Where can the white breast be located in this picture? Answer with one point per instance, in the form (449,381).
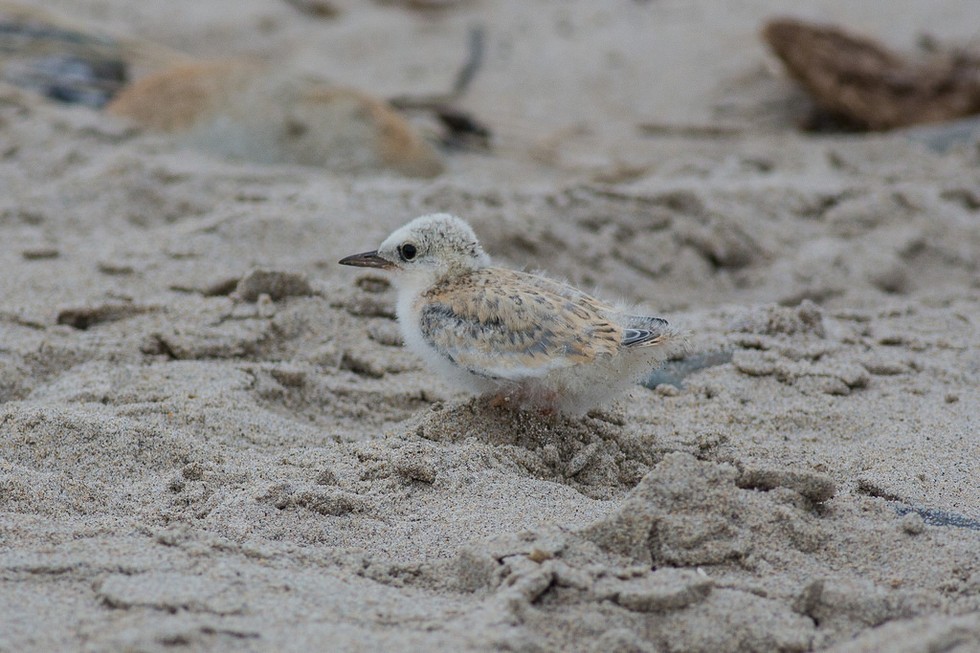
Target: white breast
(409,318)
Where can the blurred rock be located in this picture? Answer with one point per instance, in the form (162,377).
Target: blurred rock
(247,111)
(68,61)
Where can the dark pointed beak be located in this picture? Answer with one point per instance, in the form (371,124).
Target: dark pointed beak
(367,260)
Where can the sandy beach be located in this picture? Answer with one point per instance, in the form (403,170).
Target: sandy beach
(212,439)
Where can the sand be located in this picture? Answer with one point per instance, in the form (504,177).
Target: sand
(211,438)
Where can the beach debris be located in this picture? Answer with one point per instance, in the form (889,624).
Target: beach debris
(56,60)
(461,129)
(859,83)
(69,61)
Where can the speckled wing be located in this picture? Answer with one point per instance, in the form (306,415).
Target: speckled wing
(504,324)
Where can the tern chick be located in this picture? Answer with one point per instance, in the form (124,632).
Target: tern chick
(525,339)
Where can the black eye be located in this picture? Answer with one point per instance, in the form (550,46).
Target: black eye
(407,251)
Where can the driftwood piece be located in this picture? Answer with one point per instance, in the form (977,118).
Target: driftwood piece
(865,85)
(462,129)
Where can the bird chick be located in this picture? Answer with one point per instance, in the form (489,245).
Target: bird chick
(523,338)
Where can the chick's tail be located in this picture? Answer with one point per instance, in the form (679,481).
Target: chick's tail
(642,331)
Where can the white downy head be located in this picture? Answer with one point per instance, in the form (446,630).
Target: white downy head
(425,250)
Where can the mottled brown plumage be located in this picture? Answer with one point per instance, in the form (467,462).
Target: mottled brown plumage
(497,323)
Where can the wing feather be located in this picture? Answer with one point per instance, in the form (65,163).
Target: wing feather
(645,331)
(511,325)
